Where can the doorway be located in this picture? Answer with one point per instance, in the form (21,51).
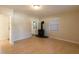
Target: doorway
(35,24)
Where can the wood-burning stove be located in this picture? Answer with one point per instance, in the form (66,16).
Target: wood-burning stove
(41,32)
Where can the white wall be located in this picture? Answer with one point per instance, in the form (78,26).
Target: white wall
(21,26)
(4,23)
(14,25)
(68,26)
(4,27)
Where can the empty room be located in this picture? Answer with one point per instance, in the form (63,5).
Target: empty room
(39,29)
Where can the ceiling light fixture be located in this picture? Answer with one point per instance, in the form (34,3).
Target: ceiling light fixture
(36,7)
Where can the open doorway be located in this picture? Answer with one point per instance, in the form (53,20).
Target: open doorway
(35,27)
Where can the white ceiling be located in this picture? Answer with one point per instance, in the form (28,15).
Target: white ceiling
(45,10)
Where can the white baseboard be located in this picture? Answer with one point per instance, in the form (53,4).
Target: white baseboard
(23,37)
(76,42)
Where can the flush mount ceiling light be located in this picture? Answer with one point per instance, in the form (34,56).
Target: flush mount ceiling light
(36,7)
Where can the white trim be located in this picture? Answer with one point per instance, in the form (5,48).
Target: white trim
(76,42)
(23,37)
(10,27)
